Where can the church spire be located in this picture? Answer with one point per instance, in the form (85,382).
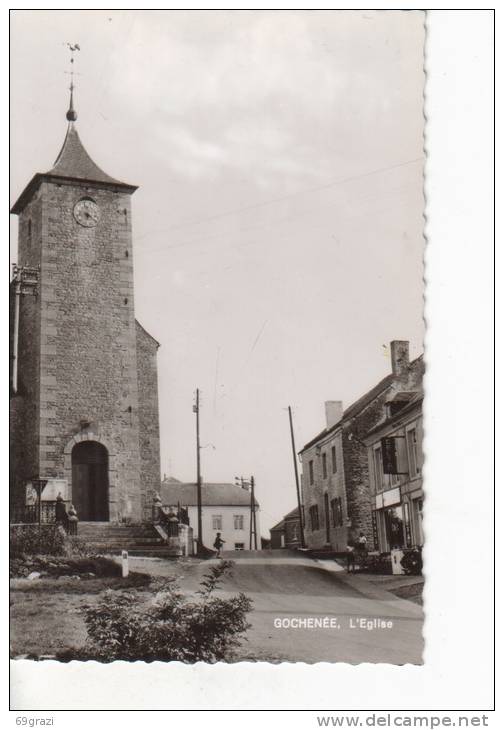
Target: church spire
(71,114)
(73,163)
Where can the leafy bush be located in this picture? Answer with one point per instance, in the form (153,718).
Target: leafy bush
(35,540)
(412,562)
(172,628)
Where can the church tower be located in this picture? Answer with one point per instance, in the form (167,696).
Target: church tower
(84,376)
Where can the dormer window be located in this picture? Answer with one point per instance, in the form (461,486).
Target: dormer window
(397,403)
(394,407)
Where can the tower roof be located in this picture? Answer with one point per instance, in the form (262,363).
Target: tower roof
(73,164)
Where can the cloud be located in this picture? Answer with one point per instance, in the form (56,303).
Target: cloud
(274,95)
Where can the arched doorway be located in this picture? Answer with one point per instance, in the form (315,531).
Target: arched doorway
(90,481)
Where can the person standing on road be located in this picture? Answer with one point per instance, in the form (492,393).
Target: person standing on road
(218,543)
(350,555)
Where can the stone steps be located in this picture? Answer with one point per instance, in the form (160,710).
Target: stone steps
(111,537)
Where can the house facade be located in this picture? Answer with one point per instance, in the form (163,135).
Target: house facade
(395,466)
(226,508)
(338,502)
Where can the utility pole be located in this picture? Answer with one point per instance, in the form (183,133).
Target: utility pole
(294,456)
(246,484)
(196,409)
(253,524)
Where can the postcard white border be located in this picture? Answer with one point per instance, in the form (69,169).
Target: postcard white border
(459,416)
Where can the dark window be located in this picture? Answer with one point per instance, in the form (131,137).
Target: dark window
(339,514)
(29,228)
(324,465)
(327,519)
(310,467)
(314,518)
(395,406)
(336,512)
(413,460)
(333,459)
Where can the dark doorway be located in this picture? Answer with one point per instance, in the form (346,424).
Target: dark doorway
(327,519)
(90,481)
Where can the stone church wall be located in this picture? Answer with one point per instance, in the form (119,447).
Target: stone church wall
(25,404)
(150,468)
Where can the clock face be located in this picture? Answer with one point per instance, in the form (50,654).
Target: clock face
(86,212)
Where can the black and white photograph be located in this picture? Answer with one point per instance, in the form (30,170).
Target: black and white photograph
(217,328)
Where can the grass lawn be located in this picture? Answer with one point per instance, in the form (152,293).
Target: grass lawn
(46,615)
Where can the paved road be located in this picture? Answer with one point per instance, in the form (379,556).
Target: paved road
(285,587)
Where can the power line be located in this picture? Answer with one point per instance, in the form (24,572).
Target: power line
(243,229)
(282,198)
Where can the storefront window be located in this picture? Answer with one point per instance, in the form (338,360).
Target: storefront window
(418,517)
(394,527)
(407,524)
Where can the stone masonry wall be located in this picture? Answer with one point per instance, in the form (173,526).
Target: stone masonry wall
(150,467)
(357,477)
(25,404)
(88,385)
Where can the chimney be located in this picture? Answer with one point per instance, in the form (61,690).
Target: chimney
(333,412)
(399,355)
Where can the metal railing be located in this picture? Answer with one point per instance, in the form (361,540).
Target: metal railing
(45,513)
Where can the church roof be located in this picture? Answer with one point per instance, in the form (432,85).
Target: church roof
(74,164)
(148,334)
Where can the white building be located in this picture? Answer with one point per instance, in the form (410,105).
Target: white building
(226,508)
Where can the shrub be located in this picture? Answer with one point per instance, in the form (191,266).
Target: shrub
(172,628)
(76,547)
(35,540)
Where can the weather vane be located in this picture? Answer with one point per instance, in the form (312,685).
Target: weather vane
(71,113)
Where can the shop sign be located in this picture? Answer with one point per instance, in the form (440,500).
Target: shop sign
(392,496)
(379,501)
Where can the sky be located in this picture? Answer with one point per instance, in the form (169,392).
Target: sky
(278,226)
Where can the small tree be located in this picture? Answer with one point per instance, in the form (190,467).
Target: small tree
(171,628)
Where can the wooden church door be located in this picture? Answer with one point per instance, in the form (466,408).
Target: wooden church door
(90,481)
